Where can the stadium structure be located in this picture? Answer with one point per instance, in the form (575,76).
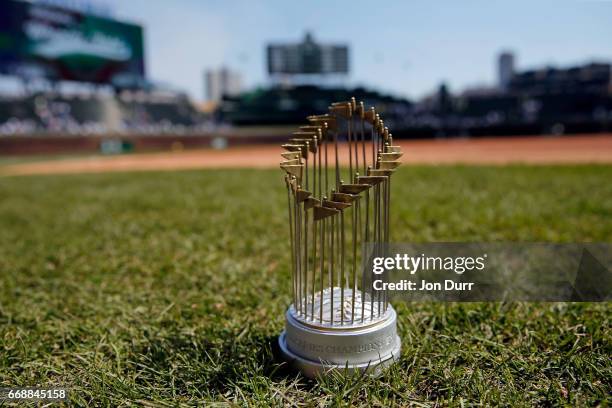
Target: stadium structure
(49,48)
(542,101)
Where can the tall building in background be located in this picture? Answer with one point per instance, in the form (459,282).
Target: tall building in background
(505,68)
(307,59)
(222,82)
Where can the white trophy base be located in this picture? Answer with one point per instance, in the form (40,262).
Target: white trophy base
(317,350)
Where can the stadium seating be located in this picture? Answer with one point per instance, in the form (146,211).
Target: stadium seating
(94,114)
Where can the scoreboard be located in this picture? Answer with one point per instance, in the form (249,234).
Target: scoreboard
(307,57)
(48,41)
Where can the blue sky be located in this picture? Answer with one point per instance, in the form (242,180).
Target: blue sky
(403,47)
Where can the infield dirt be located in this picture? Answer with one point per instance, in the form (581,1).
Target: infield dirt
(528,150)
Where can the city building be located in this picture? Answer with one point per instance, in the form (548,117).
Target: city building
(590,78)
(505,67)
(222,82)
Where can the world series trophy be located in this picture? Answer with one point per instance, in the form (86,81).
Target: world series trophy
(337,321)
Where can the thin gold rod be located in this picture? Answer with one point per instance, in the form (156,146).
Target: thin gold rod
(356,272)
(388,232)
(298,263)
(363,144)
(384,241)
(322,266)
(320,177)
(379,237)
(367,238)
(326,167)
(339,250)
(306,164)
(350,146)
(314,266)
(354,227)
(337,160)
(376,189)
(304,292)
(352,119)
(293,279)
(331,268)
(314,169)
(373,146)
(342,279)
(360,240)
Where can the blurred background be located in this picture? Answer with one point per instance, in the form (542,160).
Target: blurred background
(116,77)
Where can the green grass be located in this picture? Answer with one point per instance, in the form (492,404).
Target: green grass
(170,288)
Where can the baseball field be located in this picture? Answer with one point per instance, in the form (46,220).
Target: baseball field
(134,288)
